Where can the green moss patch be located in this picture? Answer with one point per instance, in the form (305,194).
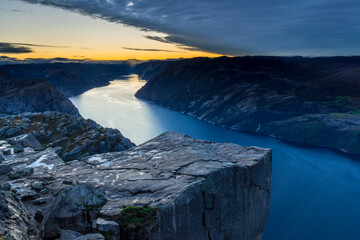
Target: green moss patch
(137,217)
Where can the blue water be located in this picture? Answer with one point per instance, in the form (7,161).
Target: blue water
(316,192)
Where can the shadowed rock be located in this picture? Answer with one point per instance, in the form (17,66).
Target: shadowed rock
(74,209)
(15,220)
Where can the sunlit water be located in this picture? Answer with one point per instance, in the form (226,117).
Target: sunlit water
(316,192)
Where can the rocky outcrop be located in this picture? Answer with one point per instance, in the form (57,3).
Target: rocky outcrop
(340,131)
(15,220)
(32,95)
(71,136)
(249,93)
(171,187)
(73,209)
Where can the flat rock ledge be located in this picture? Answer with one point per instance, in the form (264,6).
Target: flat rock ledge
(171,187)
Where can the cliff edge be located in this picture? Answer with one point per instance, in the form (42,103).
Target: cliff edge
(171,187)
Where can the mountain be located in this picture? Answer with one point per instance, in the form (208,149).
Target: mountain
(75,78)
(263,94)
(32,95)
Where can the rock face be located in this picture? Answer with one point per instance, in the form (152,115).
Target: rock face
(340,131)
(32,95)
(15,220)
(72,136)
(171,187)
(247,93)
(73,209)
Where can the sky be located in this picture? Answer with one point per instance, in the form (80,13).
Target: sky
(160,29)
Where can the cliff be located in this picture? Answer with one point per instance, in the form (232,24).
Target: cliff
(32,95)
(171,187)
(263,94)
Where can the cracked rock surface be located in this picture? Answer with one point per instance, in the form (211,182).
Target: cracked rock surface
(73,137)
(199,189)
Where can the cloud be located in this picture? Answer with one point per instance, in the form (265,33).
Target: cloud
(18,48)
(38,45)
(236,27)
(13,48)
(148,49)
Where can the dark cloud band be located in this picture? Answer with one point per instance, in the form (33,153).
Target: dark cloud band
(13,48)
(236,27)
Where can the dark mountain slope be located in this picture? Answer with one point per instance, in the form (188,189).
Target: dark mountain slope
(32,95)
(247,93)
(75,78)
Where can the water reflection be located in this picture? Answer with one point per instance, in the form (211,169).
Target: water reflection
(316,192)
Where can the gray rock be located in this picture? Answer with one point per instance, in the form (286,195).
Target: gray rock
(15,220)
(106,226)
(26,193)
(5,169)
(44,191)
(26,140)
(41,200)
(38,216)
(73,210)
(37,186)
(18,148)
(68,234)
(195,189)
(72,136)
(7,152)
(21,173)
(6,187)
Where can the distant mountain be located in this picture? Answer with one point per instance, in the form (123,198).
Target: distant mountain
(147,70)
(32,95)
(75,78)
(263,94)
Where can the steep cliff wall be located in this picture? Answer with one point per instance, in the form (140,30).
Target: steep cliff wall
(171,187)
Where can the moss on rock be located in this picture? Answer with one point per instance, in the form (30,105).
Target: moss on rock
(137,217)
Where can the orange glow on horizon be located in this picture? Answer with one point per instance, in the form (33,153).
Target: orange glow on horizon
(52,33)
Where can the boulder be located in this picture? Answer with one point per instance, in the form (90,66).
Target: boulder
(106,226)
(5,169)
(73,209)
(68,234)
(18,148)
(6,187)
(7,152)
(21,173)
(26,140)
(37,186)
